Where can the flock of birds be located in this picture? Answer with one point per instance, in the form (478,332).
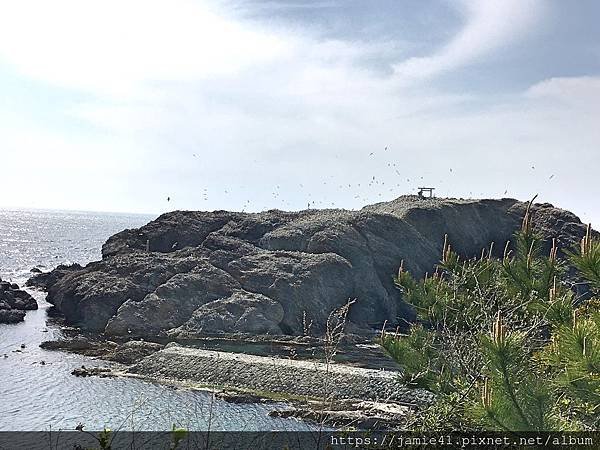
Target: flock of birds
(372,182)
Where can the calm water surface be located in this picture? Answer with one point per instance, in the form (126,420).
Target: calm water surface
(42,397)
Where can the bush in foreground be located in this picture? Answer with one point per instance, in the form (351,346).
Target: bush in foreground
(505,343)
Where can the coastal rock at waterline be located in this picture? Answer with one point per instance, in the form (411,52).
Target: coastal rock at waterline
(82,345)
(14,302)
(190,272)
(11,315)
(133,351)
(102,372)
(43,280)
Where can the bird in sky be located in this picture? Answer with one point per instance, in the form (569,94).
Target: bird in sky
(168,199)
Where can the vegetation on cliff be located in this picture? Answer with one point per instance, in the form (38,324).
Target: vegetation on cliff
(509,343)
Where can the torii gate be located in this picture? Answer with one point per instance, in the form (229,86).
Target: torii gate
(423,190)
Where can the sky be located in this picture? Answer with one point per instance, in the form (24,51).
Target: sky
(149,106)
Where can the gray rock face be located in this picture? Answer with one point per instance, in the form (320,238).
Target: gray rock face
(14,302)
(242,312)
(188,273)
(170,304)
(42,280)
(133,351)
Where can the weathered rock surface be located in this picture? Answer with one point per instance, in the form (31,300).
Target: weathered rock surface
(189,272)
(83,345)
(243,311)
(14,302)
(132,351)
(42,280)
(102,372)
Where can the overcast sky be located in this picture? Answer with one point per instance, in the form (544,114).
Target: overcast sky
(116,105)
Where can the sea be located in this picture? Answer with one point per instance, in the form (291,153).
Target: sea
(46,397)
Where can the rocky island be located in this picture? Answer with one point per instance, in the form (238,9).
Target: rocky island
(188,273)
(14,303)
(273,279)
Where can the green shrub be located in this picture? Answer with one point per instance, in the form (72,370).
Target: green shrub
(505,343)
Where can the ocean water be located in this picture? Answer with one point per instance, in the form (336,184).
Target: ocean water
(47,397)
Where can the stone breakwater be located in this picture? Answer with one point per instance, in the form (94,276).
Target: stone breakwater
(288,377)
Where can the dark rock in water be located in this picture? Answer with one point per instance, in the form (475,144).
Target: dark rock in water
(35,270)
(14,302)
(102,372)
(188,273)
(43,280)
(11,315)
(126,353)
(81,345)
(76,344)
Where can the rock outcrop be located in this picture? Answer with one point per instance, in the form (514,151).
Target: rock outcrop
(14,302)
(42,280)
(189,273)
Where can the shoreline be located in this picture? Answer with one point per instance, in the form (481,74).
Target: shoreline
(332,395)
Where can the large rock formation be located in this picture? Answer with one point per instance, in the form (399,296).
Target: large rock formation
(188,273)
(14,302)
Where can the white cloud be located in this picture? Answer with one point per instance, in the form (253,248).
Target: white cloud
(579,91)
(112,46)
(190,99)
(489,24)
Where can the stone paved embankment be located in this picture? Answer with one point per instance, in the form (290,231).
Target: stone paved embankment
(277,375)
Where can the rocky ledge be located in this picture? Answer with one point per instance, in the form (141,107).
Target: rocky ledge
(189,273)
(14,302)
(128,352)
